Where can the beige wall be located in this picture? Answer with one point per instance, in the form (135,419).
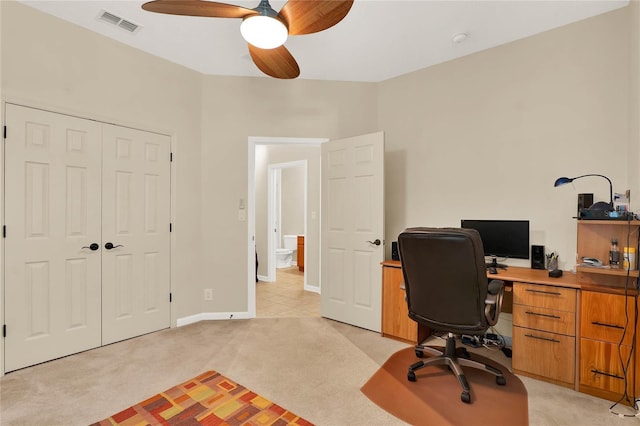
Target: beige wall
(49,63)
(235,108)
(480,137)
(634,104)
(485,136)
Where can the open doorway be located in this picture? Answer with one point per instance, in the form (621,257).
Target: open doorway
(269,157)
(286,217)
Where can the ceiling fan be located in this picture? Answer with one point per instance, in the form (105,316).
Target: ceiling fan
(264,29)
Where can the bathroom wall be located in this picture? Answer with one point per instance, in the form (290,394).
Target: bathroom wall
(292,201)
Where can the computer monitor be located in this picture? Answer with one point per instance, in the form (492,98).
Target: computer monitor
(502,238)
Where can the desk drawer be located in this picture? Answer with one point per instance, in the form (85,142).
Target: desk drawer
(600,365)
(604,318)
(544,354)
(545,296)
(561,322)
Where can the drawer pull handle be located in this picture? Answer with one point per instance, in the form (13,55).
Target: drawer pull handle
(555,293)
(542,338)
(607,325)
(615,376)
(542,315)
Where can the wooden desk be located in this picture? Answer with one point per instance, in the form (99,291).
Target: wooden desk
(396,323)
(565,330)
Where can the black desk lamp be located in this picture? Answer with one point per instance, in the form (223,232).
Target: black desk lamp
(600,205)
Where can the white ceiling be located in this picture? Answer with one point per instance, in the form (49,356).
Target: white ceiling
(376,41)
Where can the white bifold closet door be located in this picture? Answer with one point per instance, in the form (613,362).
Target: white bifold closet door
(135,220)
(71,186)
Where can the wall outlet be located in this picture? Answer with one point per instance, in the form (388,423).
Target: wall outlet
(208,294)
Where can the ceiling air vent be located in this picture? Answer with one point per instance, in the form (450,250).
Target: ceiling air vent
(129,26)
(110,18)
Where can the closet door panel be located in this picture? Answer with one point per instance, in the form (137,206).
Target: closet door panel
(136,216)
(53,215)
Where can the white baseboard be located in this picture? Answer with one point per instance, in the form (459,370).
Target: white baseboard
(209,316)
(312,288)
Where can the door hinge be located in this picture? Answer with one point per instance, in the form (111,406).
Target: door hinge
(4,231)
(4,330)
(5,132)
(170,297)
(171,156)
(170,227)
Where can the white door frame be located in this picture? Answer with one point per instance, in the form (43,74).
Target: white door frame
(253,141)
(275,214)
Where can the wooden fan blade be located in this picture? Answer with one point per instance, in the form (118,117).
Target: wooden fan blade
(278,62)
(311,16)
(197,8)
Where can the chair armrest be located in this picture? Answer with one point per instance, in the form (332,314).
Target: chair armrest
(495,286)
(493,302)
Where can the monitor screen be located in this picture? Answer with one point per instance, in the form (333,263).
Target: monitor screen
(502,238)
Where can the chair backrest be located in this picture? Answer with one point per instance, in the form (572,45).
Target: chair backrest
(445,278)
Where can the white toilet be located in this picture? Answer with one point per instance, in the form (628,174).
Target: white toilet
(284,255)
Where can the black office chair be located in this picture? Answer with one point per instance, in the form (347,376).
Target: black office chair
(446,289)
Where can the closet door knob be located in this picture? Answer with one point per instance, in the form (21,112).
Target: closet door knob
(375,243)
(93,246)
(110,246)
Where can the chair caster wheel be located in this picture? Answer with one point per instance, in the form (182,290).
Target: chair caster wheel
(419,353)
(465,397)
(501,380)
(411,376)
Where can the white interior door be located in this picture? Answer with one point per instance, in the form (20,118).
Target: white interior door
(353,230)
(136,219)
(52,199)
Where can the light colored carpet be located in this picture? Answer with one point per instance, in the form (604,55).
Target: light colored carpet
(311,366)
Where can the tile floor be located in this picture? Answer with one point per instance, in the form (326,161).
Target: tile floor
(286,296)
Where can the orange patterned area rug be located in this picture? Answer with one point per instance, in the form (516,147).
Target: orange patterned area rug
(209,399)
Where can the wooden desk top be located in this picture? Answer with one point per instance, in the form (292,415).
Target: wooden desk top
(538,276)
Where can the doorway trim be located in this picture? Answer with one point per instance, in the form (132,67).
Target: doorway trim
(252,142)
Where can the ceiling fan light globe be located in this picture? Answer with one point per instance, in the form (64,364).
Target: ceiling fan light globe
(264,32)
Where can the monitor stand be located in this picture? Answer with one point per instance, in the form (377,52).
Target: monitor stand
(494,263)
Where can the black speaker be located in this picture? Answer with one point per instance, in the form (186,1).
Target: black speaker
(394,251)
(537,257)
(584,202)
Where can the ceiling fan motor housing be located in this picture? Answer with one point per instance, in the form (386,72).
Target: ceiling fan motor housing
(265,30)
